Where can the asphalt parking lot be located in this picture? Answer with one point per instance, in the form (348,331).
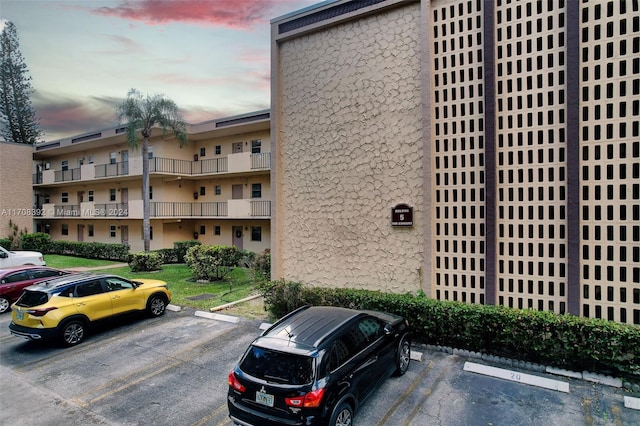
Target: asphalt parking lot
(173,370)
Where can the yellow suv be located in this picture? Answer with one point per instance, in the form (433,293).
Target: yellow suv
(65,307)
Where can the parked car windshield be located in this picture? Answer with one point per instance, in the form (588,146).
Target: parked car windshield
(32,298)
(280,367)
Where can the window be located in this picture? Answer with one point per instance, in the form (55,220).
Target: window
(89,289)
(150,152)
(115,284)
(256,146)
(65,229)
(216,230)
(65,165)
(16,277)
(218,149)
(112,157)
(90,194)
(150,192)
(90,230)
(65,197)
(203,152)
(256,190)
(112,231)
(112,194)
(202,190)
(218,190)
(202,229)
(256,233)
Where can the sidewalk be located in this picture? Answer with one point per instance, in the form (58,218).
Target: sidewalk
(96,268)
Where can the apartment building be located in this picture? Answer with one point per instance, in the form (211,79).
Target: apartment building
(215,189)
(507,130)
(16,205)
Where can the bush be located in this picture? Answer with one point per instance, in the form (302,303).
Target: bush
(167,255)
(5,243)
(38,241)
(181,248)
(565,341)
(262,266)
(144,261)
(91,250)
(212,263)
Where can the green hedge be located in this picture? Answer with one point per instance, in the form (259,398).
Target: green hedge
(564,341)
(90,250)
(6,243)
(144,261)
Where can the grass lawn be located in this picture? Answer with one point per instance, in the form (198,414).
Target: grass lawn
(185,292)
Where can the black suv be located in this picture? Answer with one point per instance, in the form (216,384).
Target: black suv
(316,366)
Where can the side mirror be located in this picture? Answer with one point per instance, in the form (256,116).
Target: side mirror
(3,255)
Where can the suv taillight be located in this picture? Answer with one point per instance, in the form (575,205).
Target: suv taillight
(40,312)
(235,384)
(308,400)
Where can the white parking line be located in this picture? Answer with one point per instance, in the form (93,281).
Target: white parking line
(516,376)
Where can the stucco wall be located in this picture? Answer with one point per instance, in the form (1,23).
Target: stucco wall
(16,195)
(349,149)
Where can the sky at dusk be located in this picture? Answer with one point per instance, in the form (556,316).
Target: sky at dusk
(211,57)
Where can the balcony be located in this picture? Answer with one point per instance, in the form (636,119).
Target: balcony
(111,210)
(230,209)
(243,162)
(112,169)
(66,175)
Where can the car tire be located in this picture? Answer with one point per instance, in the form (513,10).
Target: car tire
(342,415)
(73,332)
(5,304)
(156,305)
(404,356)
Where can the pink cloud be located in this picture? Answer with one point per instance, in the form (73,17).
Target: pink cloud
(236,14)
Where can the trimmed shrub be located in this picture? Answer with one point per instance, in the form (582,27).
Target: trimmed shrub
(181,248)
(212,263)
(144,261)
(5,243)
(565,341)
(91,250)
(38,241)
(167,255)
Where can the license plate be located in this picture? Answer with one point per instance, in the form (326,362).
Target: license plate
(264,399)
(19,315)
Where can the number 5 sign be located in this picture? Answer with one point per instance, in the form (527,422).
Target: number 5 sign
(402,215)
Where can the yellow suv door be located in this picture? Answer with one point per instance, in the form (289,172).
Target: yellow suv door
(124,297)
(91,300)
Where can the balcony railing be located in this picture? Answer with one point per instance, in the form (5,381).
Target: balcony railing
(261,161)
(67,210)
(261,208)
(67,175)
(111,210)
(186,167)
(112,169)
(168,209)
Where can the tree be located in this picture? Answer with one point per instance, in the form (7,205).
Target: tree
(17,116)
(142,114)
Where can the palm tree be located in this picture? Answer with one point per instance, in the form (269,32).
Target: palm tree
(142,114)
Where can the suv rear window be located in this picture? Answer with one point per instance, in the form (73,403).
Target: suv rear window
(32,298)
(280,367)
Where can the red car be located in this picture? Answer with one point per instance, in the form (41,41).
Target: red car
(14,280)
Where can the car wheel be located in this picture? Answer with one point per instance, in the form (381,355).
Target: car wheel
(156,306)
(404,356)
(73,332)
(5,304)
(342,415)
